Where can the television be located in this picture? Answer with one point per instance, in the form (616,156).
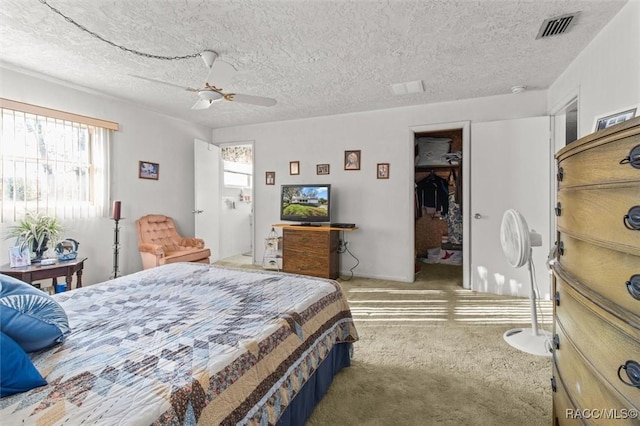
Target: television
(307,204)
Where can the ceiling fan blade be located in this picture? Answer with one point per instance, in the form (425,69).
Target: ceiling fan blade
(220,74)
(189,89)
(202,104)
(250,99)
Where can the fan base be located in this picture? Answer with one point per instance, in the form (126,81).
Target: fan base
(524,340)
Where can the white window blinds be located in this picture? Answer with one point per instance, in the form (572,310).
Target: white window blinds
(53,166)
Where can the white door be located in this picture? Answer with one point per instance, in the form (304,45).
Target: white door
(207,196)
(510,168)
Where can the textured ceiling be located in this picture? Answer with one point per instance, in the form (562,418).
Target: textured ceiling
(315,57)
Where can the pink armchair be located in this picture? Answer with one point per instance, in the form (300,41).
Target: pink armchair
(159,243)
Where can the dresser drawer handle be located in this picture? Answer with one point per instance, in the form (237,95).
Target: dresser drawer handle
(633,286)
(556,341)
(632,218)
(553,384)
(633,158)
(558,209)
(632,369)
(561,248)
(556,297)
(560,174)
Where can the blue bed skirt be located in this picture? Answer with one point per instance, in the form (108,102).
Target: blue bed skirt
(302,405)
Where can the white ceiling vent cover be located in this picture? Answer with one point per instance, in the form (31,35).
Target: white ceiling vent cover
(557,25)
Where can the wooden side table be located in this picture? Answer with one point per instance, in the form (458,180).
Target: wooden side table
(35,272)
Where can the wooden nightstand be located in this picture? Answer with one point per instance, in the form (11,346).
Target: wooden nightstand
(36,272)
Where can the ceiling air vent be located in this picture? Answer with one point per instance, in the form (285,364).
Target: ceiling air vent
(557,25)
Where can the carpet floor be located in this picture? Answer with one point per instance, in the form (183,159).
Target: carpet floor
(431,353)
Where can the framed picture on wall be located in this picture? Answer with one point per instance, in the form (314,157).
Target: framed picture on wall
(383,171)
(270,178)
(608,120)
(352,160)
(322,169)
(148,170)
(294,167)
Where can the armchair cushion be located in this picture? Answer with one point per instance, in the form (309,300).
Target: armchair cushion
(151,248)
(192,255)
(192,242)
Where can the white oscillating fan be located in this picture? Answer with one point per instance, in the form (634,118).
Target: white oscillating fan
(517,242)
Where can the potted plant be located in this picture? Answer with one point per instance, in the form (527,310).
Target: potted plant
(34,232)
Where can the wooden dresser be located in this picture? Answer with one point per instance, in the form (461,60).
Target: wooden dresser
(310,251)
(596,355)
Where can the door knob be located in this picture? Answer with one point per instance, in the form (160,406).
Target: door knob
(477,216)
(197,211)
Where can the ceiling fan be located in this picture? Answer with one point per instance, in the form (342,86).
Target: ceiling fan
(220,74)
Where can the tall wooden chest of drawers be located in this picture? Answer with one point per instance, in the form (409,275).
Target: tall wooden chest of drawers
(596,354)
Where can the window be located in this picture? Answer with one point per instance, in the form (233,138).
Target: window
(234,179)
(52,165)
(237,161)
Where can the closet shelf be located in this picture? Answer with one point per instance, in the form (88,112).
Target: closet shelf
(437,167)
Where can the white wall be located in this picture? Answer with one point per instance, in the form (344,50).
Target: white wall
(235,232)
(382,209)
(606,74)
(143,135)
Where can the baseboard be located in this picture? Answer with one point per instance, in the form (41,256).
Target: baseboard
(347,274)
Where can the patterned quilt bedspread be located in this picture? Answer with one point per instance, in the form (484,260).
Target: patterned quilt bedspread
(185,344)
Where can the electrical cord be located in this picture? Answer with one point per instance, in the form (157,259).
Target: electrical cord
(345,248)
(126,49)
(342,244)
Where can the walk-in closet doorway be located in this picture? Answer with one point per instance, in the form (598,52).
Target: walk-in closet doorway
(440,197)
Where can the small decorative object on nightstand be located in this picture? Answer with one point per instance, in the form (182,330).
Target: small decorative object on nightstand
(19,256)
(67,249)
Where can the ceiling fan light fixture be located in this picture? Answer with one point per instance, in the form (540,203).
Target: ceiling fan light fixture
(210,95)
(208,56)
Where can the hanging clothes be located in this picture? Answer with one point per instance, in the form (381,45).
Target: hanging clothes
(454,188)
(432,195)
(454,220)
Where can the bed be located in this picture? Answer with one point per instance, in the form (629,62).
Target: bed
(186,344)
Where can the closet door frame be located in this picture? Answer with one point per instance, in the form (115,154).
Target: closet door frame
(465,127)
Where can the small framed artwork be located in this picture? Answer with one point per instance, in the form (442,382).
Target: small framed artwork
(18,258)
(322,169)
(294,167)
(148,170)
(352,160)
(609,120)
(270,178)
(383,171)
